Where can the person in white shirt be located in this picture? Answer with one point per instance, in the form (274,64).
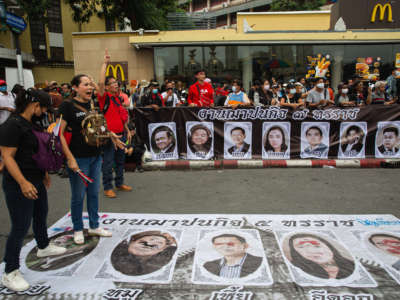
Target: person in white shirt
(7,102)
(170,98)
(7,106)
(319,96)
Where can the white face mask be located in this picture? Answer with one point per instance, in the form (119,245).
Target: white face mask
(234,89)
(320,85)
(345,91)
(266,87)
(292,91)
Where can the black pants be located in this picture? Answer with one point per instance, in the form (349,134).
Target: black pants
(22,211)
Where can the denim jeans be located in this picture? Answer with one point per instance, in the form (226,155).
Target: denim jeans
(113,159)
(91,166)
(22,211)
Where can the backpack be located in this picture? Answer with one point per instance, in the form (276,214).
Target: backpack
(122,111)
(94,126)
(49,156)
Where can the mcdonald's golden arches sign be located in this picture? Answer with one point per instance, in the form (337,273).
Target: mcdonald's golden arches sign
(118,70)
(367,14)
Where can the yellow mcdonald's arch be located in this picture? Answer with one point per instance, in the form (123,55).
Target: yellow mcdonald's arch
(114,70)
(382,10)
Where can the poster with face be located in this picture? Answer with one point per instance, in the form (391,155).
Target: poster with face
(143,256)
(387,140)
(352,139)
(226,257)
(276,140)
(384,246)
(237,137)
(314,139)
(200,140)
(317,258)
(163,142)
(67,263)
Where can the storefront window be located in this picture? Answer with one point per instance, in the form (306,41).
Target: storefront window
(248,63)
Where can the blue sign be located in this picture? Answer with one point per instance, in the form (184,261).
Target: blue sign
(15,22)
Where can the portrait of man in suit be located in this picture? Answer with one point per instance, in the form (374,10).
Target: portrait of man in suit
(163,140)
(238,136)
(390,141)
(235,261)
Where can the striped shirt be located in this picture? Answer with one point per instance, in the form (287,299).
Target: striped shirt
(231,271)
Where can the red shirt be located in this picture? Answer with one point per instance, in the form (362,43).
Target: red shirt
(112,116)
(221,92)
(201,95)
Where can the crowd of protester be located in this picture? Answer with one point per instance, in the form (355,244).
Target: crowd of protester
(296,93)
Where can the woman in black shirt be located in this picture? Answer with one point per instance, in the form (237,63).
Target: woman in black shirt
(24,185)
(84,157)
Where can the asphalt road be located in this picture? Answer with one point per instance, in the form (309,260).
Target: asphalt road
(258,191)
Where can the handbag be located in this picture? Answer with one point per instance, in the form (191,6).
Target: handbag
(49,156)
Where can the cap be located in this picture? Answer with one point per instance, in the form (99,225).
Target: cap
(3,82)
(154,83)
(290,86)
(275,86)
(298,84)
(40,96)
(292,81)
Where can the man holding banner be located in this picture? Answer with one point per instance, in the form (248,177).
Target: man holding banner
(117,122)
(201,93)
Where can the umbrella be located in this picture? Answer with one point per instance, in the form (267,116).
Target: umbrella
(276,63)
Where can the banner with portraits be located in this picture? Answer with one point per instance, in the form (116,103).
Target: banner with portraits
(270,132)
(251,257)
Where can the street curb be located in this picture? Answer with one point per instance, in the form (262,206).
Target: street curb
(261,164)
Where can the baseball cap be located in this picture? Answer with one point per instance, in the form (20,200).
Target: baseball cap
(3,82)
(298,83)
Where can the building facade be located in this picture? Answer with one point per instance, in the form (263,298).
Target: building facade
(47,48)
(266,44)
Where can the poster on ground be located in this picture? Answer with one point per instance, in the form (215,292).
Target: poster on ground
(252,257)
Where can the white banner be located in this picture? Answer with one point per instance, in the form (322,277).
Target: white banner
(157,256)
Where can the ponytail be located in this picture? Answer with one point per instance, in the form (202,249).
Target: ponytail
(21,101)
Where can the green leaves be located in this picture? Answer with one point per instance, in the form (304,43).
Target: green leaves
(292,5)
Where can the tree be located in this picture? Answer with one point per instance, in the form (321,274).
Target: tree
(292,5)
(136,13)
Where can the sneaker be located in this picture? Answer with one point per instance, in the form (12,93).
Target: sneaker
(140,169)
(110,194)
(79,238)
(124,188)
(50,250)
(100,232)
(14,281)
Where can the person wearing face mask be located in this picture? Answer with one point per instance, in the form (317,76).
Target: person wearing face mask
(319,96)
(266,93)
(342,97)
(237,97)
(292,99)
(24,185)
(7,106)
(392,84)
(7,102)
(66,90)
(153,99)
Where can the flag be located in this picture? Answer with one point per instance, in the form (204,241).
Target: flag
(56,129)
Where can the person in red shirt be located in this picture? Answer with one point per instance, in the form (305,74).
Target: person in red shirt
(201,93)
(117,122)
